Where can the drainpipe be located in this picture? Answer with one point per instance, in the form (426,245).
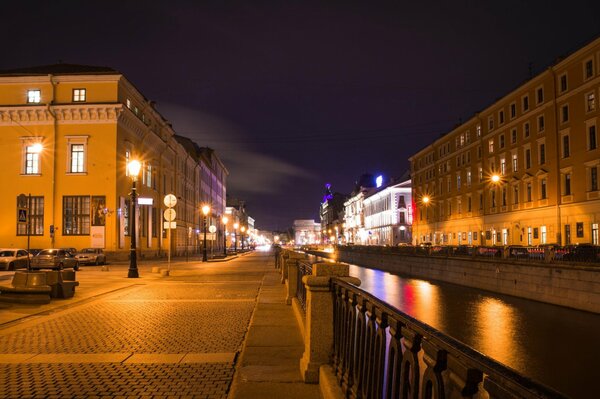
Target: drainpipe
(54,163)
(558,177)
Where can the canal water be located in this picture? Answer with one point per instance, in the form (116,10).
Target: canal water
(557,346)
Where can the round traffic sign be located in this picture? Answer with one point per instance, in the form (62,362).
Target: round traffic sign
(212,229)
(169,214)
(170,200)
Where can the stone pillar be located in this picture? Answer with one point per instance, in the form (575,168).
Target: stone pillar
(318,337)
(282,260)
(292,280)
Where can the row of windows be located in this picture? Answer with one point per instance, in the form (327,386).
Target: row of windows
(499,197)
(80,213)
(589,106)
(34,96)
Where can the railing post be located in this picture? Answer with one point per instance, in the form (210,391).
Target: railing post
(292,280)
(318,342)
(284,257)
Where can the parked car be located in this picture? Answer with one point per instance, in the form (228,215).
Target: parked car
(583,253)
(33,252)
(518,252)
(54,259)
(91,256)
(71,250)
(11,258)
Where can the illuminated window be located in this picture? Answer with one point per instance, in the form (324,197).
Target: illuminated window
(502,166)
(79,95)
(34,96)
(590,102)
(515,162)
(129,103)
(491,146)
(76,150)
(77,158)
(32,159)
(469,178)
(478,129)
(543,231)
(127,158)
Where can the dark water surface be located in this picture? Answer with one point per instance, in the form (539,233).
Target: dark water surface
(557,346)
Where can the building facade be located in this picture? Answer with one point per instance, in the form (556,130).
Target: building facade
(306,232)
(388,215)
(68,133)
(523,171)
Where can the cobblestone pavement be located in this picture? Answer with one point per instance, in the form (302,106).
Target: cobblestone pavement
(172,337)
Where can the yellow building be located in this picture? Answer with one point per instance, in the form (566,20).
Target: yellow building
(524,171)
(67,133)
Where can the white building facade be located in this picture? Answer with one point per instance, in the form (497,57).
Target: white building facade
(388,215)
(306,232)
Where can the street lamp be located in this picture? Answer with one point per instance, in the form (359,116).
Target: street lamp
(225,220)
(243,229)
(133,167)
(235,227)
(205,211)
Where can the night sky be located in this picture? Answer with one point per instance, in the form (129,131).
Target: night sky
(296,94)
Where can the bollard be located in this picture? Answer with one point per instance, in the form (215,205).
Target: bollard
(292,280)
(318,342)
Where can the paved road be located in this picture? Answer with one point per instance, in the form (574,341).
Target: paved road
(158,337)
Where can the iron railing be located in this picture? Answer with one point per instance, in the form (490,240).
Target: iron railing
(381,352)
(304,269)
(589,254)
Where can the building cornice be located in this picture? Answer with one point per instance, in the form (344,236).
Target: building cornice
(65,114)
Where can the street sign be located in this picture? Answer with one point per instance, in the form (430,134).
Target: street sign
(169,214)
(22,218)
(212,229)
(170,200)
(170,225)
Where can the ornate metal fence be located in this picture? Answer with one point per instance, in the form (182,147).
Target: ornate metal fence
(304,269)
(380,352)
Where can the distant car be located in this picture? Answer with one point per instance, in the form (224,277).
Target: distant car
(583,253)
(91,256)
(518,251)
(54,259)
(12,259)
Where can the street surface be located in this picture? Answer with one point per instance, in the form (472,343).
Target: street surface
(152,337)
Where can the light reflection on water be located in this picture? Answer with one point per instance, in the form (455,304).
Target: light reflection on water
(557,346)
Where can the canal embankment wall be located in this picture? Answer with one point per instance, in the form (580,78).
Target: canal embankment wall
(568,285)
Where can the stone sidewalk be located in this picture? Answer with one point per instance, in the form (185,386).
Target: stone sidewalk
(210,330)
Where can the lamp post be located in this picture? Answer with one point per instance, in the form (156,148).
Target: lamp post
(134,169)
(243,229)
(235,227)
(225,220)
(205,211)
